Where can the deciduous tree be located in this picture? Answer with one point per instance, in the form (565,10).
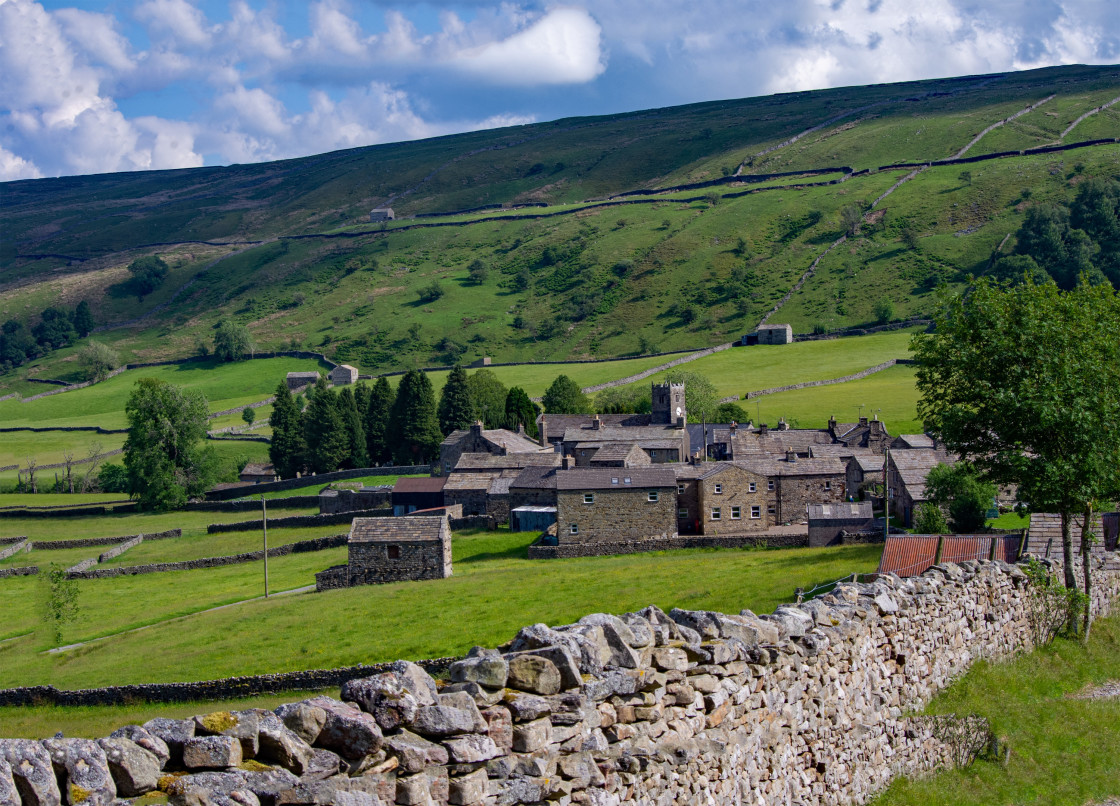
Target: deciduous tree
(564,396)
(98,360)
(965,496)
(231,341)
(488,398)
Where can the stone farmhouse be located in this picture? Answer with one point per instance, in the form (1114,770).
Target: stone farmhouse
(661,443)
(829,522)
(769,334)
(383,550)
(615,505)
(381,214)
(906,478)
(871,434)
(298,380)
(498,442)
(344,374)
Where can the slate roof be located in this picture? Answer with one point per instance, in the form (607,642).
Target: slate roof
(773,466)
(513,461)
(869,462)
(1046,527)
(536,478)
(469,481)
(629,434)
(619,452)
(424,484)
(745,442)
(313,376)
(421,528)
(614,478)
(915,440)
(509,441)
(914,465)
(559,423)
(845,511)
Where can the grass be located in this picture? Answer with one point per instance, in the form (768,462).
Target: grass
(313,487)
(495,590)
(1010,520)
(59,499)
(1063,751)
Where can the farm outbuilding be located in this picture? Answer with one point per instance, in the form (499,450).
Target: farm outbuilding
(381,550)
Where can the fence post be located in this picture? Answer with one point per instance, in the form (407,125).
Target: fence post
(940,545)
(992,553)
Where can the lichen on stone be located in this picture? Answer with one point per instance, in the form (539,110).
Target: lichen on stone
(218,722)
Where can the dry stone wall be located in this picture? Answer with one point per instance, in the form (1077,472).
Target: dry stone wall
(804,705)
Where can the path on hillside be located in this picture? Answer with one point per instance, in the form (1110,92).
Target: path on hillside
(1091,112)
(304,589)
(999,123)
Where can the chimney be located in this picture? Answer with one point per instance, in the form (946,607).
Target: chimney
(596,423)
(544,432)
(876,426)
(863,421)
(782,424)
(832,422)
(521,429)
(791,455)
(566,463)
(763,430)
(734,428)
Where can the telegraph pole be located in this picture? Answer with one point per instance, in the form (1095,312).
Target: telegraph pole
(264,527)
(886,497)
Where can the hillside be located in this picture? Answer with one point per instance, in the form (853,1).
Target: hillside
(570,268)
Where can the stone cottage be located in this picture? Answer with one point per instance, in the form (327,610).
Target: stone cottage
(344,374)
(828,521)
(769,334)
(493,441)
(662,443)
(392,550)
(906,477)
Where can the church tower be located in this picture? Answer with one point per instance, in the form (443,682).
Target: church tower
(667,404)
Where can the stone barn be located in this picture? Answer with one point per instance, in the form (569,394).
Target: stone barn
(298,380)
(827,521)
(769,334)
(381,214)
(344,374)
(384,550)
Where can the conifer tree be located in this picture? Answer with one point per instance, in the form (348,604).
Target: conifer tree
(455,408)
(355,432)
(520,410)
(287,448)
(328,443)
(377,421)
(413,426)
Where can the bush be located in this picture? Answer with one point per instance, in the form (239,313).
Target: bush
(112,478)
(430,293)
(1051,607)
(884,311)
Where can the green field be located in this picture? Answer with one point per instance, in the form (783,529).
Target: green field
(495,590)
(1063,750)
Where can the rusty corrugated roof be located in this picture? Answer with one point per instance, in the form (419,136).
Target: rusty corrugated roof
(909,555)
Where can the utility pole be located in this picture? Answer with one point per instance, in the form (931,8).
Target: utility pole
(264,527)
(886,497)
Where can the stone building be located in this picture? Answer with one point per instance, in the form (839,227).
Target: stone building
(745,443)
(769,334)
(533,487)
(615,505)
(1044,535)
(493,441)
(298,380)
(332,502)
(481,493)
(906,478)
(392,550)
(489,463)
(381,214)
(411,494)
(624,454)
(662,443)
(344,374)
(827,521)
(863,470)
(256,473)
(667,404)
(871,434)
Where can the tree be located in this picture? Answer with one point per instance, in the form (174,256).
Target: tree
(929,520)
(328,442)
(1061,251)
(564,396)
(1015,269)
(357,455)
(520,410)
(959,491)
(377,421)
(851,216)
(430,293)
(413,425)
(163,453)
(287,448)
(477,272)
(62,600)
(83,319)
(883,311)
(112,478)
(249,414)
(1024,383)
(147,273)
(728,412)
(455,408)
(98,360)
(231,341)
(54,329)
(488,398)
(632,399)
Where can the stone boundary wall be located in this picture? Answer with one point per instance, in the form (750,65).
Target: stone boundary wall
(63,507)
(120,549)
(59,465)
(825,382)
(862,331)
(315,544)
(22,571)
(538,551)
(220,689)
(299,520)
(7,541)
(96,429)
(81,567)
(309,481)
(87,542)
(251,504)
(239,437)
(66,512)
(808,704)
(14,548)
(654,370)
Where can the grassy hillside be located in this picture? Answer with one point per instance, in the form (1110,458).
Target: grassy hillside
(589,275)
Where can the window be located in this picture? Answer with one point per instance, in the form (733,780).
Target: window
(756,512)
(447,465)
(828,485)
(770,510)
(718,489)
(715,513)
(573,529)
(588,498)
(752,487)
(680,489)
(770,484)
(614,479)
(652,495)
(394,552)
(682,512)
(734,513)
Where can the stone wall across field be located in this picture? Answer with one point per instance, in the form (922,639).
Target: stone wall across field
(595,548)
(252,504)
(247,490)
(87,542)
(806,704)
(299,521)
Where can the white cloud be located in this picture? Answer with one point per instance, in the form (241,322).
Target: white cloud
(175,20)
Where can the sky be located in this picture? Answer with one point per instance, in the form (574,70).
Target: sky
(93,86)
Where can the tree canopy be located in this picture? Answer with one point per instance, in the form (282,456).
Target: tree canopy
(455,408)
(1024,383)
(163,453)
(965,496)
(488,398)
(287,448)
(377,421)
(700,396)
(325,432)
(232,341)
(565,396)
(520,410)
(412,422)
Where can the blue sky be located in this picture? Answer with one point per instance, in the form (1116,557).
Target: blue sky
(90,86)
